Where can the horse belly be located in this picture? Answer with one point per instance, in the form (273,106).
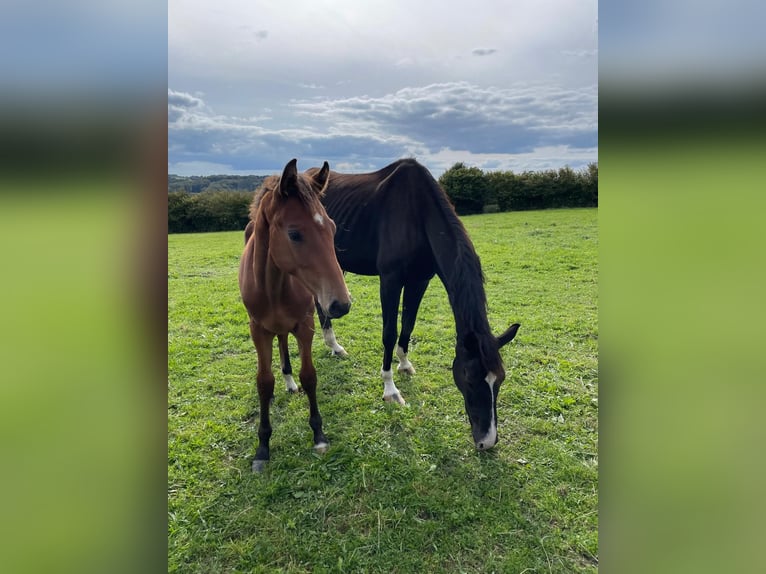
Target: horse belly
(359,266)
(412,262)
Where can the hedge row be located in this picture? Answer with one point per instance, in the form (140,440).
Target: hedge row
(208,211)
(473,191)
(469,188)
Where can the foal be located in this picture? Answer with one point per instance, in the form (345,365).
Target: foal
(288,263)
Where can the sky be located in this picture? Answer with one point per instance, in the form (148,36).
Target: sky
(496,84)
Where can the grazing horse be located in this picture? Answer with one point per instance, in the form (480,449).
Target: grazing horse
(399,224)
(288,264)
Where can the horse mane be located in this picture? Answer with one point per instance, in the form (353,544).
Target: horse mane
(269,184)
(464,280)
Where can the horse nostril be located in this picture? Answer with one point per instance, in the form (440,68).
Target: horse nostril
(480,446)
(338,309)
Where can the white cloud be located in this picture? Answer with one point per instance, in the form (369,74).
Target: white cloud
(526,127)
(364,83)
(460,114)
(183,100)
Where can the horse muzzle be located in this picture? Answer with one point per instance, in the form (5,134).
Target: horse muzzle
(484,440)
(338,309)
(486,444)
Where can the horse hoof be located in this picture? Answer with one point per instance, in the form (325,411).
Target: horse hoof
(406,369)
(395,398)
(321,448)
(259,466)
(294,391)
(339,352)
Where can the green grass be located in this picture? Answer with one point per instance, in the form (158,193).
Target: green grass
(402,489)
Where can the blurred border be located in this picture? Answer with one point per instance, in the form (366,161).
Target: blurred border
(83,161)
(83,299)
(681,100)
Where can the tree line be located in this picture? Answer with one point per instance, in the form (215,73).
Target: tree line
(221,203)
(200,183)
(473,191)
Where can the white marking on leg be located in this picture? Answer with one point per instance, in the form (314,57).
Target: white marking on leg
(321,447)
(319,219)
(390,392)
(330,341)
(404,363)
(290,384)
(489,440)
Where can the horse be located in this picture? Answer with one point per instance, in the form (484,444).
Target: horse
(399,224)
(287,265)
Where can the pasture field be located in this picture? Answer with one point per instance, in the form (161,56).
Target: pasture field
(401,489)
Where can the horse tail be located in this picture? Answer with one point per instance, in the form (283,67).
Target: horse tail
(249,230)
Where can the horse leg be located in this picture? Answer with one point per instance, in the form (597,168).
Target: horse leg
(308,376)
(264,347)
(390,293)
(287,369)
(329,334)
(413,295)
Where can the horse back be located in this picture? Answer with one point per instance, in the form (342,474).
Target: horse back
(381,218)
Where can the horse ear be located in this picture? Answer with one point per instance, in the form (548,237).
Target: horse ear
(322,178)
(289,179)
(508,336)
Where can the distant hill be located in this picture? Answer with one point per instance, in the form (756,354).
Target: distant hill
(199,183)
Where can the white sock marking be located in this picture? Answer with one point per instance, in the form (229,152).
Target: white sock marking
(390,392)
(290,384)
(330,341)
(404,362)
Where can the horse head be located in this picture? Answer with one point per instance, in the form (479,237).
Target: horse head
(301,237)
(478,373)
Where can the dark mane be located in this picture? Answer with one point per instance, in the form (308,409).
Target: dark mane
(464,281)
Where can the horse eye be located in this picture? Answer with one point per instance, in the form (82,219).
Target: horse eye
(294,235)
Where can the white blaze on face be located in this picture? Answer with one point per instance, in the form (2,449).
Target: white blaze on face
(319,219)
(489,440)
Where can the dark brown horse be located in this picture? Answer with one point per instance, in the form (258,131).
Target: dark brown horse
(287,264)
(399,224)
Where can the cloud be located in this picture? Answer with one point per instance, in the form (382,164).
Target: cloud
(493,127)
(181,104)
(460,115)
(261,35)
(183,100)
(483,51)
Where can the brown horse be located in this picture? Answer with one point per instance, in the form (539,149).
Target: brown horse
(288,263)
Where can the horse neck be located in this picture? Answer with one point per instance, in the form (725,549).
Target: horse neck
(270,278)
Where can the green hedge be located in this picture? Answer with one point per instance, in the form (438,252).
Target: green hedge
(473,191)
(208,211)
(470,189)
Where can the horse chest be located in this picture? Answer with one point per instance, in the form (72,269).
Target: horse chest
(281,316)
